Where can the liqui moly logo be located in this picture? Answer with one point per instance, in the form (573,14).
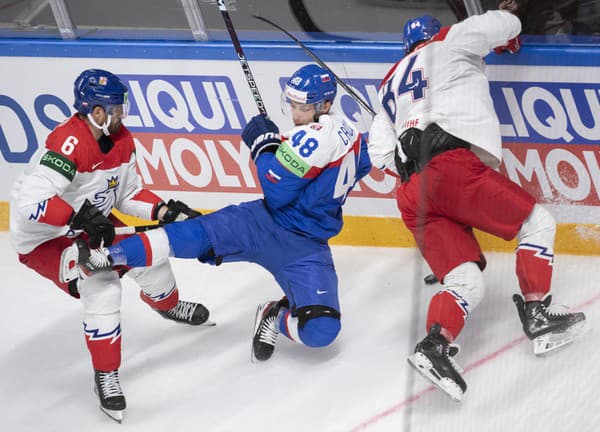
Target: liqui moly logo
(548,112)
(551,133)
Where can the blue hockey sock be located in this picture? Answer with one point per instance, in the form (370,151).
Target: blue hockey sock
(130,252)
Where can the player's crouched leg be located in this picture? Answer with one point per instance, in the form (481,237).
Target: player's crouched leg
(318,326)
(320,332)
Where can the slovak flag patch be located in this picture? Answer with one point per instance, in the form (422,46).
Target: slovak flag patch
(272,177)
(325,78)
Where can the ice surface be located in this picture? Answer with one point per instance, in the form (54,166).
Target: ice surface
(180,378)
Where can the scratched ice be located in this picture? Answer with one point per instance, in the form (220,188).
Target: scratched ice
(187,379)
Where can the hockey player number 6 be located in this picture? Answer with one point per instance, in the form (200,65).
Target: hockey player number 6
(69,145)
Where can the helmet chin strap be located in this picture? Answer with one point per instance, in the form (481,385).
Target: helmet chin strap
(104,127)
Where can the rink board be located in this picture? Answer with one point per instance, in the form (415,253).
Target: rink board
(189,102)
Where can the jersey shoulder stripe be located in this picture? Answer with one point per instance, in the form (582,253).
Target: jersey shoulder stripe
(355,148)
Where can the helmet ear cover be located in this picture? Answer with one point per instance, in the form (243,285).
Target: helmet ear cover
(418,30)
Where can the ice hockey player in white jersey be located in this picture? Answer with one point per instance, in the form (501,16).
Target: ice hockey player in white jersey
(437,128)
(306,175)
(87,168)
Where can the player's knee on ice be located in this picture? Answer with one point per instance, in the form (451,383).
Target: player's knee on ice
(320,331)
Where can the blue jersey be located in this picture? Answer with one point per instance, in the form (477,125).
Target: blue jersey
(307,180)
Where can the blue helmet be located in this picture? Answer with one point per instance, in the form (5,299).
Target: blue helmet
(311,84)
(95,87)
(420,29)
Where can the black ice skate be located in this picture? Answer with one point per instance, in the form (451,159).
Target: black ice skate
(433,360)
(187,313)
(108,389)
(265,331)
(548,330)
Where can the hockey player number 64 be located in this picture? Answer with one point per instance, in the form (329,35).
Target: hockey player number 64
(413,82)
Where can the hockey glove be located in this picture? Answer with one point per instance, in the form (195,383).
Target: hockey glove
(512,46)
(97,226)
(261,134)
(176,211)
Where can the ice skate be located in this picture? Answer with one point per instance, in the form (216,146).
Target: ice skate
(187,313)
(108,389)
(549,330)
(433,360)
(265,331)
(79,261)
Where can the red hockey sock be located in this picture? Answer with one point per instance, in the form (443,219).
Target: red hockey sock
(534,270)
(105,349)
(445,308)
(162,303)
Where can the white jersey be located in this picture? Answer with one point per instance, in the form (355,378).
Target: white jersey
(443,82)
(67,171)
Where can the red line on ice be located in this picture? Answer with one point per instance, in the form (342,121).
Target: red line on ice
(395,408)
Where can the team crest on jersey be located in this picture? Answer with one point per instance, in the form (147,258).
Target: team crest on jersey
(105,199)
(316,126)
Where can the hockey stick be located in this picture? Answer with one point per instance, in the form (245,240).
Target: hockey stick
(240,52)
(320,62)
(133,229)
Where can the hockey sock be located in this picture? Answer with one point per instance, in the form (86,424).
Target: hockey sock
(534,270)
(104,347)
(288,325)
(449,310)
(535,253)
(163,301)
(130,252)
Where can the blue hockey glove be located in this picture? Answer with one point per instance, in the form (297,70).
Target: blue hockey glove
(261,134)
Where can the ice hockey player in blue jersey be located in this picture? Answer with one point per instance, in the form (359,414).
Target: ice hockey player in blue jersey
(306,175)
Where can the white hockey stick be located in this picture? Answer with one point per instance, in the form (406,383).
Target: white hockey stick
(133,229)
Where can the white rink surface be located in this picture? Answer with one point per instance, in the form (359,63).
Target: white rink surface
(179,378)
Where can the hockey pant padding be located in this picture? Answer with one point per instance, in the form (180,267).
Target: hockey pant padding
(101,300)
(316,332)
(535,253)
(463,290)
(188,239)
(158,286)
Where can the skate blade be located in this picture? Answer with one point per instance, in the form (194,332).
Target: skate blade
(257,320)
(552,342)
(114,415)
(69,269)
(423,366)
(208,323)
